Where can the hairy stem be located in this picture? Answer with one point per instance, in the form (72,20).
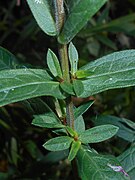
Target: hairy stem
(60,18)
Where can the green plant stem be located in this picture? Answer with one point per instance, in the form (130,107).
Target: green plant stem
(60,17)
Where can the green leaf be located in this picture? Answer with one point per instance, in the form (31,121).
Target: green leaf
(126,127)
(98,134)
(95,166)
(78,87)
(67,87)
(82,109)
(79,124)
(58,143)
(127,159)
(116,70)
(20,84)
(56,156)
(47,120)
(7,60)
(83,74)
(79,121)
(73,57)
(53,64)
(41,12)
(71,131)
(79,14)
(74,149)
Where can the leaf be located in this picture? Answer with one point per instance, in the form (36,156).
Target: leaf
(79,121)
(47,120)
(127,159)
(79,14)
(37,106)
(56,156)
(116,70)
(58,143)
(7,60)
(74,149)
(53,64)
(78,87)
(41,12)
(73,57)
(98,134)
(20,84)
(67,87)
(82,109)
(126,127)
(83,74)
(95,166)
(71,131)
(79,124)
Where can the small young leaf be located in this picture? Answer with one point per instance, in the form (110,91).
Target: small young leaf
(53,64)
(42,14)
(82,109)
(47,120)
(67,87)
(98,134)
(83,74)
(79,124)
(71,131)
(74,149)
(58,143)
(78,87)
(73,57)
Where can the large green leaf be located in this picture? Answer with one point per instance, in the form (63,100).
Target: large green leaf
(7,60)
(47,120)
(127,159)
(42,14)
(21,84)
(94,166)
(58,143)
(79,14)
(98,134)
(126,127)
(116,70)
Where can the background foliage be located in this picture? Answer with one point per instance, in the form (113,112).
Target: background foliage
(111,29)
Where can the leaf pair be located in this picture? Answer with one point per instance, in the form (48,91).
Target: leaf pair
(41,10)
(93,135)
